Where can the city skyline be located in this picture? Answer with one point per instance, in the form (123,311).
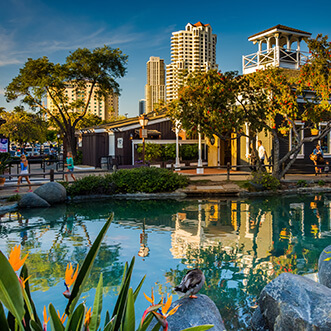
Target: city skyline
(38,28)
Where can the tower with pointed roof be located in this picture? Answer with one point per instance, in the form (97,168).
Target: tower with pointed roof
(276,48)
(192,49)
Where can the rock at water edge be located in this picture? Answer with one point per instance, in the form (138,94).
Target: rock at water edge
(194,312)
(32,200)
(52,192)
(324,267)
(292,302)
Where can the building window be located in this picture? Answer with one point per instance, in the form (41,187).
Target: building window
(325,142)
(293,139)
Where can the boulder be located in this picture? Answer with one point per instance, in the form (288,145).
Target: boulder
(292,302)
(32,200)
(324,267)
(194,312)
(52,192)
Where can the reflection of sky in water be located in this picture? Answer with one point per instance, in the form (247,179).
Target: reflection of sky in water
(260,239)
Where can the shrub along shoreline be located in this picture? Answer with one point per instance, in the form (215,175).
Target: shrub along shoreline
(142,180)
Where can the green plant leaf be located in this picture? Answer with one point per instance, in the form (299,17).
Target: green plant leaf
(24,275)
(107,319)
(34,326)
(56,324)
(111,324)
(85,270)
(129,319)
(10,290)
(97,307)
(119,309)
(200,327)
(146,323)
(76,320)
(136,292)
(3,321)
(156,327)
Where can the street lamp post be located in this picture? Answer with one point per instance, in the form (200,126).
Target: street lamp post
(58,144)
(177,163)
(143,121)
(200,168)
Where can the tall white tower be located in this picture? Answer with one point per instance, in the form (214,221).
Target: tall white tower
(192,49)
(155,87)
(275,48)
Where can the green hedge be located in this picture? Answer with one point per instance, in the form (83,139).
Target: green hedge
(166,152)
(144,179)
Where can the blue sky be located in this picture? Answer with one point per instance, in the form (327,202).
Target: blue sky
(36,28)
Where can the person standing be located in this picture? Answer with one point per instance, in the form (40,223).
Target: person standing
(23,173)
(70,165)
(319,159)
(262,154)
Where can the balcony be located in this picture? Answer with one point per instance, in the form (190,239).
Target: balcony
(277,57)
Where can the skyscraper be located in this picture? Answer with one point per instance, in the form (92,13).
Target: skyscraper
(155,87)
(142,106)
(192,49)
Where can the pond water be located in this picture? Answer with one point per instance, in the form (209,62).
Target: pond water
(239,244)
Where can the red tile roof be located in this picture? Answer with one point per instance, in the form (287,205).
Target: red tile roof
(200,24)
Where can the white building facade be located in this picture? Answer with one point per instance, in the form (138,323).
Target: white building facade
(192,49)
(106,107)
(155,90)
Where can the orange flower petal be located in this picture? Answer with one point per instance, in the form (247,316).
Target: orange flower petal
(148,298)
(167,305)
(88,316)
(172,311)
(15,258)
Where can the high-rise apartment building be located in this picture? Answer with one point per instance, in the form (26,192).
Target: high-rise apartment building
(155,87)
(105,107)
(192,49)
(142,106)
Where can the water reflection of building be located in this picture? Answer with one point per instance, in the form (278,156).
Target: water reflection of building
(229,224)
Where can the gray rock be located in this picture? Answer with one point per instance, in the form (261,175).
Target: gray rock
(258,322)
(292,302)
(324,267)
(32,200)
(194,312)
(52,192)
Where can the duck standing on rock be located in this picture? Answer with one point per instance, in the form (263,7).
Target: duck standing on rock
(191,284)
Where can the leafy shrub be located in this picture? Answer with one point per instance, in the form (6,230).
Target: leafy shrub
(148,180)
(158,152)
(302,183)
(15,197)
(266,180)
(91,185)
(321,182)
(144,179)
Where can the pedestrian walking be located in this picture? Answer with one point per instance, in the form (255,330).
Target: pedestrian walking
(70,165)
(262,154)
(23,173)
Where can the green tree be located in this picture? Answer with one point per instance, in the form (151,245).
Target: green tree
(267,100)
(86,71)
(23,126)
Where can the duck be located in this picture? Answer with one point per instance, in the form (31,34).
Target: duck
(191,284)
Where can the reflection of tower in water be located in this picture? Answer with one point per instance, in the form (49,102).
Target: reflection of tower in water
(144,250)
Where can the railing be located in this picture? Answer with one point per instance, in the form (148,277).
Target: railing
(277,56)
